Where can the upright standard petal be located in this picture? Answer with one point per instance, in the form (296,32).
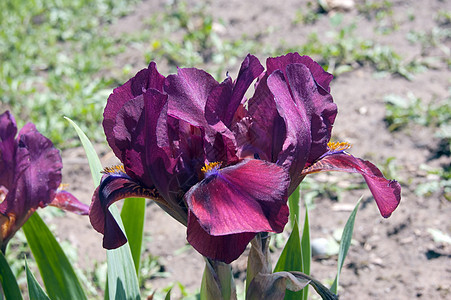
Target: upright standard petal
(188,92)
(386,193)
(37,175)
(297,144)
(8,145)
(145,79)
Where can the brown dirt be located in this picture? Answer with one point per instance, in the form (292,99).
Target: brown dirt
(393,258)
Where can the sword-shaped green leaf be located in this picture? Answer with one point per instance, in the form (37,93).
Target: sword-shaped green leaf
(59,277)
(345,242)
(35,290)
(122,279)
(8,281)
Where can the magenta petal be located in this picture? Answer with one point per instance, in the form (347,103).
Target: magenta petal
(224,248)
(296,147)
(387,193)
(145,79)
(114,187)
(68,202)
(129,135)
(37,173)
(267,132)
(322,78)
(250,69)
(8,131)
(188,92)
(247,197)
(318,105)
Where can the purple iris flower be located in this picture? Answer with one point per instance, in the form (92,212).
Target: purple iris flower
(30,177)
(219,163)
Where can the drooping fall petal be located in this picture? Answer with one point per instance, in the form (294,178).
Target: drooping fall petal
(247,197)
(386,193)
(114,186)
(224,248)
(66,201)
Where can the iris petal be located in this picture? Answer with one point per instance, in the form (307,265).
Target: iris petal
(247,197)
(386,193)
(68,202)
(225,248)
(114,187)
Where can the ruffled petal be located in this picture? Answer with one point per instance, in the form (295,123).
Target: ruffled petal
(114,187)
(224,248)
(37,175)
(247,197)
(8,131)
(145,79)
(296,147)
(322,78)
(263,133)
(188,92)
(387,193)
(65,200)
(317,104)
(129,135)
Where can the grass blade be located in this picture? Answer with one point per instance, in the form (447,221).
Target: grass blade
(345,242)
(293,204)
(122,281)
(7,280)
(290,259)
(94,162)
(59,277)
(35,290)
(306,251)
(133,215)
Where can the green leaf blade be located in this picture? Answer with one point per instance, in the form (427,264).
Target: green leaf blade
(293,204)
(122,281)
(59,277)
(291,259)
(345,243)
(8,282)
(306,251)
(35,290)
(133,215)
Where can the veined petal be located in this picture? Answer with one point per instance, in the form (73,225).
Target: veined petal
(225,248)
(8,131)
(322,78)
(37,173)
(224,101)
(114,186)
(296,147)
(66,201)
(145,79)
(387,193)
(247,197)
(188,92)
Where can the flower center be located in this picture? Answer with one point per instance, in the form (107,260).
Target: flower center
(114,169)
(338,146)
(211,168)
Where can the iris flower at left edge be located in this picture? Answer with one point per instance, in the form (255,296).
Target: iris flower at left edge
(30,177)
(172,154)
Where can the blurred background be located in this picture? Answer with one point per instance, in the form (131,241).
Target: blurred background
(391,61)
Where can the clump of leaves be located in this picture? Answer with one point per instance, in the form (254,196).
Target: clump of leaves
(187,35)
(50,63)
(401,111)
